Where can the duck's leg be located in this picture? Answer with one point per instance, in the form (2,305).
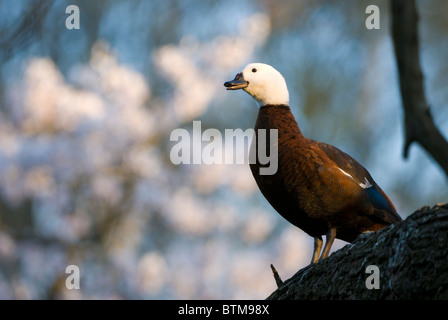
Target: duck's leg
(317,247)
(330,236)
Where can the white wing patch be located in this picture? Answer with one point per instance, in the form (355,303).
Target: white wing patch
(364,185)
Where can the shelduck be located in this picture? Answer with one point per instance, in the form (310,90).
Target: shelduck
(317,187)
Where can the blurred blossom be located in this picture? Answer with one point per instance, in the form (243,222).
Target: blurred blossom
(7,246)
(152,273)
(226,217)
(251,273)
(85,149)
(196,70)
(50,105)
(20,290)
(106,187)
(185,283)
(227,53)
(185,269)
(76,225)
(294,246)
(143,162)
(189,215)
(70,148)
(207,178)
(90,118)
(258,226)
(242,180)
(125,86)
(12,189)
(39,181)
(194,90)
(126,234)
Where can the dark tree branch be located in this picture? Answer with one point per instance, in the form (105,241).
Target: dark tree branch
(419,125)
(411,257)
(25,31)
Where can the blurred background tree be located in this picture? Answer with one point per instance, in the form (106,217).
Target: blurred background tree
(85,123)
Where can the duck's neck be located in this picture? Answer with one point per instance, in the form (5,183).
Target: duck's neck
(278,117)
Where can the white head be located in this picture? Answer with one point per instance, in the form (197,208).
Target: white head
(265,84)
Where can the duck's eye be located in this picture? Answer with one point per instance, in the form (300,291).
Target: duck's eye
(254,70)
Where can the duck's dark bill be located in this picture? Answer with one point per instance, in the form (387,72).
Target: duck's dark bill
(232,85)
(237,83)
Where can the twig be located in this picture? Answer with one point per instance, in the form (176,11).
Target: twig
(277,278)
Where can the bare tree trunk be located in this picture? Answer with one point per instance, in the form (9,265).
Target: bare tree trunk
(419,125)
(411,259)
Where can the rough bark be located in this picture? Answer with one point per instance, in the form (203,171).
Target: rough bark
(412,257)
(418,122)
